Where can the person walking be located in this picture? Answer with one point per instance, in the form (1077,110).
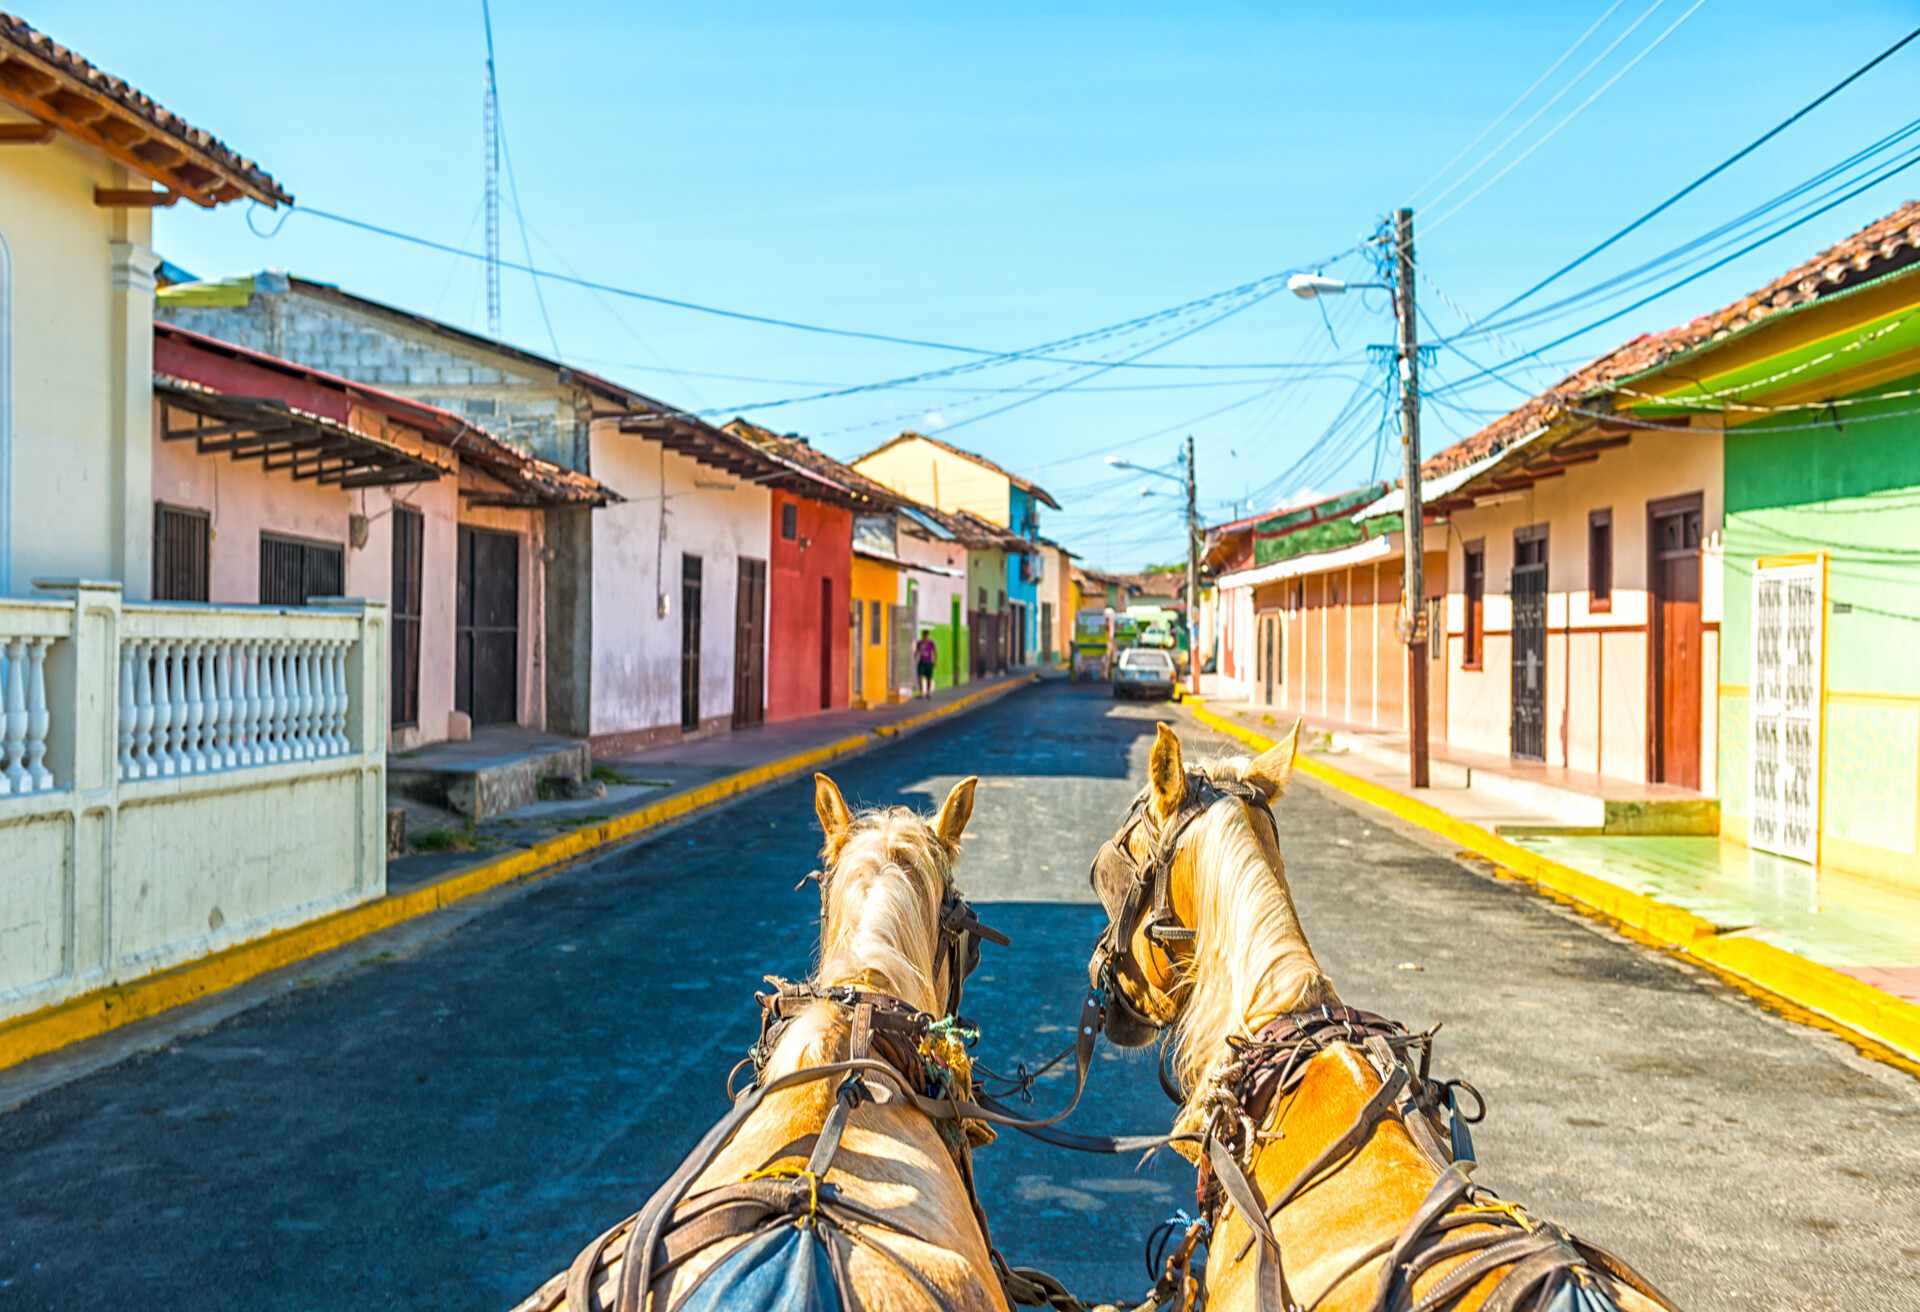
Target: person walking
(924,655)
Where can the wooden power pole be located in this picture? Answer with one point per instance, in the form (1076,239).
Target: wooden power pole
(1414,583)
(1193,577)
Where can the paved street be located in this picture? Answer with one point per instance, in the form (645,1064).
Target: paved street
(445,1126)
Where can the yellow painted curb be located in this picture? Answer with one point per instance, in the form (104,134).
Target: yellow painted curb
(95,1013)
(1820,989)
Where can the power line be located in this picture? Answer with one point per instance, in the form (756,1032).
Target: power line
(1518,101)
(1868,185)
(1553,100)
(1578,110)
(796,325)
(1710,174)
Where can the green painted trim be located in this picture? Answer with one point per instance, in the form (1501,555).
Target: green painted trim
(1712,390)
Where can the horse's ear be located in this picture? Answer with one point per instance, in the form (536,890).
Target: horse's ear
(835,818)
(954,814)
(1270,771)
(1166,771)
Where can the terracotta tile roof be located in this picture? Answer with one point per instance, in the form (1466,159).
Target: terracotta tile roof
(58,87)
(796,450)
(1880,247)
(1031,488)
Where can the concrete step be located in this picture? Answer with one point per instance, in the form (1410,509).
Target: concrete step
(495,772)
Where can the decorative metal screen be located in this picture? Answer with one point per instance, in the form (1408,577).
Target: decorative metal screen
(1789,614)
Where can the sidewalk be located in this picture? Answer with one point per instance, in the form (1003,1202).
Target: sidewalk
(1843,946)
(645,790)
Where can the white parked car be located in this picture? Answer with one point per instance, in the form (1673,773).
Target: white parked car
(1143,672)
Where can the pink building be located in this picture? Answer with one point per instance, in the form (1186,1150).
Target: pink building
(275,483)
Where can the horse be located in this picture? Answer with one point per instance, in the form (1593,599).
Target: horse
(837,1175)
(1334,1174)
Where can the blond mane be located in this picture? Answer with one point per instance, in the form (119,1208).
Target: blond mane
(1251,961)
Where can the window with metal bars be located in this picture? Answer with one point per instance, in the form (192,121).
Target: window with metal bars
(181,550)
(293,570)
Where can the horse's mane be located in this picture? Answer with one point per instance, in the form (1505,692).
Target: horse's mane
(1251,961)
(879,925)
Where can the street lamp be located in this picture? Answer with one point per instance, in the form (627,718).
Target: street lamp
(1312,286)
(1193,553)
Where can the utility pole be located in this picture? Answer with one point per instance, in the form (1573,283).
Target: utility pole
(1193,578)
(1414,583)
(490,141)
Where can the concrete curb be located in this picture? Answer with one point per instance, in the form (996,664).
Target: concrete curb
(1805,984)
(117,1005)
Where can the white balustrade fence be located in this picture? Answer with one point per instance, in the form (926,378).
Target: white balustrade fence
(176,778)
(192,706)
(25,720)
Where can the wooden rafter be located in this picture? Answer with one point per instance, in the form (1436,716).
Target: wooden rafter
(54,97)
(133,198)
(26,134)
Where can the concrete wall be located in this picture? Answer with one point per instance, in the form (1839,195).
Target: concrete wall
(1854,494)
(519,403)
(76,353)
(1342,661)
(637,558)
(1058,589)
(986,580)
(820,553)
(243,500)
(941,479)
(1597,662)
(938,599)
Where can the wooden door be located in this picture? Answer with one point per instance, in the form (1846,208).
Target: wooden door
(856,685)
(750,644)
(1674,641)
(486,633)
(1270,653)
(959,669)
(181,551)
(692,573)
(828,627)
(1529,595)
(407,602)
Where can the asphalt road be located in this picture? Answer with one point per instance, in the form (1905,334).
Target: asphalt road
(445,1124)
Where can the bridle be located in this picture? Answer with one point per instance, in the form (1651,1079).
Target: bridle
(1148,907)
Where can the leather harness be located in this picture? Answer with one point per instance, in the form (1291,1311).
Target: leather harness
(885,1047)
(1541,1258)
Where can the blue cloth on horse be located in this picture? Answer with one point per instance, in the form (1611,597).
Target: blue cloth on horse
(1577,1296)
(784,1270)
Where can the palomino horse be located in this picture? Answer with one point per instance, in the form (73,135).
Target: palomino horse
(831,1169)
(1323,1156)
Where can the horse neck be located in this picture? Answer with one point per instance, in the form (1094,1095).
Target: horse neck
(1251,960)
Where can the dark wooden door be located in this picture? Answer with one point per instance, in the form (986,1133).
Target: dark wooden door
(691,575)
(180,554)
(293,570)
(1529,595)
(829,625)
(750,645)
(1675,642)
(486,627)
(408,586)
(1270,657)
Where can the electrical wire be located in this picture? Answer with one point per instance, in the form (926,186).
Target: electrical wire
(1712,173)
(1750,247)
(1578,110)
(1518,101)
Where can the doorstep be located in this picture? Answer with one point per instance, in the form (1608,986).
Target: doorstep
(500,769)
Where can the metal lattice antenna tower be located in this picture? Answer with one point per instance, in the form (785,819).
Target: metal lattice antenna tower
(490,131)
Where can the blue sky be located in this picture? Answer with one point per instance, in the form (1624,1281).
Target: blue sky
(1013,175)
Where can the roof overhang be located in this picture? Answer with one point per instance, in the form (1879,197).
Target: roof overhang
(299,443)
(1385,547)
(66,93)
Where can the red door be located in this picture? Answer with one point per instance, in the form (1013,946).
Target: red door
(1674,548)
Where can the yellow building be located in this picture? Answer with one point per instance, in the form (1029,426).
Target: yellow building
(875,591)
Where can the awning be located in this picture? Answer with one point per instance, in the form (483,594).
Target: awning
(303,445)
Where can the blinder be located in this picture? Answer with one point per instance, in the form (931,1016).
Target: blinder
(1148,905)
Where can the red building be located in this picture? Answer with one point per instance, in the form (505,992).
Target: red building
(809,583)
